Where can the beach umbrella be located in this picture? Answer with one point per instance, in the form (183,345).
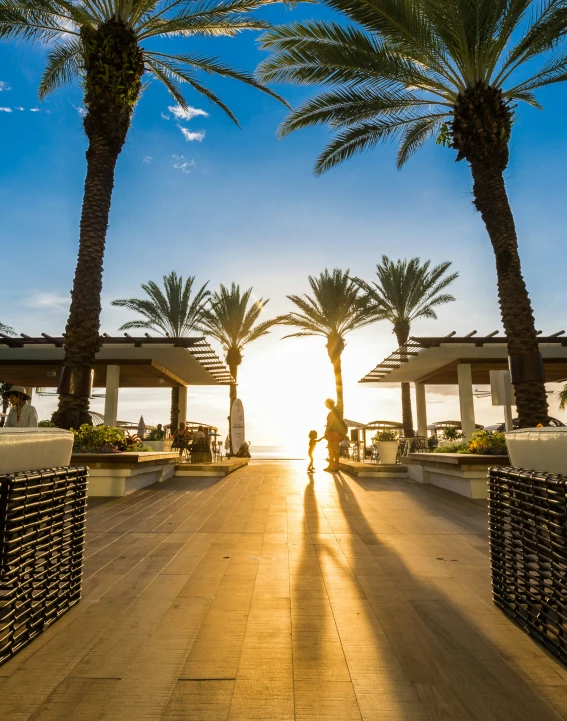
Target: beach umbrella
(141,427)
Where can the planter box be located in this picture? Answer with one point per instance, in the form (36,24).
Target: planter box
(160,446)
(539,449)
(25,448)
(388,452)
(528,552)
(462,473)
(118,474)
(42,535)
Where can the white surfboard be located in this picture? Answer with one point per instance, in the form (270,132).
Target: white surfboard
(237,428)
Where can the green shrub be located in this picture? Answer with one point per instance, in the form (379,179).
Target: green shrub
(98,439)
(488,443)
(452,434)
(155,434)
(46,424)
(482,443)
(385,435)
(460,447)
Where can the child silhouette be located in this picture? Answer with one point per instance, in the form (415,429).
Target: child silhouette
(313,440)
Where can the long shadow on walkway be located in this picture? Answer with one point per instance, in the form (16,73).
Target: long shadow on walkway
(426,638)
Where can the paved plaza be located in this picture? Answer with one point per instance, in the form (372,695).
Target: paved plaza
(269,596)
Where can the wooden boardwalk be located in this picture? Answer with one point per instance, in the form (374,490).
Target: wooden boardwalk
(264,596)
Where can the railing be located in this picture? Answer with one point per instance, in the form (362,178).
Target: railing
(528,551)
(42,535)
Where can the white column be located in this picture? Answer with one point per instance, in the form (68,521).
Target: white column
(111,400)
(466,399)
(182,404)
(421,409)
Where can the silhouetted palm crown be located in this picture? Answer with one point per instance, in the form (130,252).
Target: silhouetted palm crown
(231,321)
(413,69)
(172,311)
(407,290)
(70,27)
(335,308)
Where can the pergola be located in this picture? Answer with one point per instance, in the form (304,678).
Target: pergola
(464,361)
(121,362)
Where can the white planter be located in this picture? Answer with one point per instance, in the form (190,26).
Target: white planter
(159,446)
(29,449)
(538,449)
(388,451)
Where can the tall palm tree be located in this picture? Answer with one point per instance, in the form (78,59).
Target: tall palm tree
(444,69)
(407,290)
(336,308)
(102,43)
(231,320)
(173,311)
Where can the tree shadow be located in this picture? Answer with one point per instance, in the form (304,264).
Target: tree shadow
(411,604)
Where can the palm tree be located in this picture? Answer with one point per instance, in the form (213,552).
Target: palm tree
(172,311)
(103,44)
(447,69)
(336,308)
(231,321)
(407,290)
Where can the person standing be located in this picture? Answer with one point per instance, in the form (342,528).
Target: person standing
(335,431)
(22,414)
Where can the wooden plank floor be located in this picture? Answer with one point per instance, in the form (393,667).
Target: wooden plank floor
(267,596)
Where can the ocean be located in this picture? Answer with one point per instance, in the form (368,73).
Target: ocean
(276,453)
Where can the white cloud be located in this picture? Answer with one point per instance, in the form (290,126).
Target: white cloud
(190,136)
(147,160)
(183,165)
(20,108)
(81,110)
(34,110)
(165,117)
(188,114)
(4,86)
(5,110)
(47,300)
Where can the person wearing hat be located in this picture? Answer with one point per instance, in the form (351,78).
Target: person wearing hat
(21,414)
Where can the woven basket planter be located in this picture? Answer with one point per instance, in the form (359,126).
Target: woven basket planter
(42,536)
(528,551)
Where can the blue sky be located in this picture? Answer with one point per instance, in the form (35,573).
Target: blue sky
(237,204)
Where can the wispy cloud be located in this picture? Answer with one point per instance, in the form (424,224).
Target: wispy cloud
(47,300)
(190,136)
(4,86)
(165,116)
(35,110)
(182,164)
(20,108)
(180,114)
(5,110)
(147,160)
(81,110)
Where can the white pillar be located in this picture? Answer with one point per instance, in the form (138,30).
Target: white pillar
(421,409)
(182,404)
(111,399)
(466,399)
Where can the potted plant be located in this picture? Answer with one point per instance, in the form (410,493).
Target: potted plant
(156,440)
(387,445)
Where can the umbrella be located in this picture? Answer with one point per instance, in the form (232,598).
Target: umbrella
(141,427)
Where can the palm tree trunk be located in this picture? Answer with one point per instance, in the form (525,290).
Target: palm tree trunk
(233,368)
(174,411)
(492,202)
(338,371)
(402,331)
(82,331)
(113,67)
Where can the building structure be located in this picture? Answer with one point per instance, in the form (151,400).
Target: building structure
(464,361)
